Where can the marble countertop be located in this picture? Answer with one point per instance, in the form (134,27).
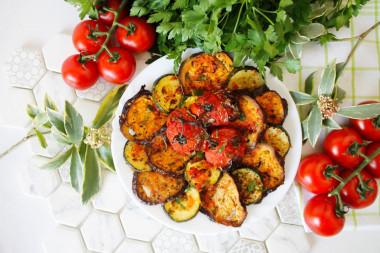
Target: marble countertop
(41,213)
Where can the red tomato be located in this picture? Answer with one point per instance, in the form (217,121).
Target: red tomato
(77,76)
(141,37)
(107,17)
(229,150)
(118,72)
(310,174)
(336,144)
(320,217)
(222,108)
(368,129)
(81,39)
(184,134)
(350,195)
(374,166)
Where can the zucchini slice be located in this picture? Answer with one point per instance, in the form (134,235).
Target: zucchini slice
(250,185)
(163,158)
(136,157)
(155,188)
(185,206)
(247,78)
(202,72)
(202,174)
(222,203)
(188,100)
(141,115)
(251,121)
(278,138)
(274,106)
(167,93)
(268,163)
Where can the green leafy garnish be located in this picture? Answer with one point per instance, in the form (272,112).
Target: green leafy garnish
(178,201)
(222,147)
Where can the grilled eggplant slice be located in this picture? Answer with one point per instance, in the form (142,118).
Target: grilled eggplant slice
(163,158)
(222,203)
(279,139)
(167,93)
(268,163)
(185,206)
(141,115)
(274,106)
(202,174)
(226,60)
(247,78)
(251,121)
(250,185)
(136,157)
(155,188)
(202,72)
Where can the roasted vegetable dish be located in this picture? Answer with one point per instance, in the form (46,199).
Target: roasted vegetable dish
(209,140)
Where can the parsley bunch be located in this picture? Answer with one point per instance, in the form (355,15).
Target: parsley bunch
(270,32)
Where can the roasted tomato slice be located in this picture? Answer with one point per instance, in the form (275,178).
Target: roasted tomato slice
(216,108)
(184,134)
(225,148)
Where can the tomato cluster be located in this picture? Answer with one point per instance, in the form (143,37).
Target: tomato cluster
(321,213)
(113,61)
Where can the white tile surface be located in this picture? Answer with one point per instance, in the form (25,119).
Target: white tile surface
(260,229)
(64,240)
(288,208)
(129,246)
(112,197)
(56,88)
(36,181)
(245,246)
(136,221)
(56,50)
(97,92)
(17,99)
(53,147)
(288,239)
(67,207)
(102,232)
(64,171)
(170,240)
(87,109)
(217,243)
(24,67)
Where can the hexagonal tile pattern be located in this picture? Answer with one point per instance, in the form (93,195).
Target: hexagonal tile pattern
(288,208)
(67,207)
(38,182)
(102,232)
(53,85)
(260,229)
(53,147)
(56,50)
(135,222)
(110,186)
(245,246)
(24,68)
(64,171)
(63,240)
(134,246)
(97,92)
(87,109)
(217,243)
(17,99)
(170,240)
(288,238)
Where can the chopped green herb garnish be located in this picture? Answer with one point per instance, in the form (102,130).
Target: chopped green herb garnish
(242,116)
(205,183)
(166,145)
(216,133)
(200,154)
(173,163)
(188,188)
(178,200)
(174,118)
(192,115)
(228,154)
(193,154)
(144,122)
(251,186)
(222,147)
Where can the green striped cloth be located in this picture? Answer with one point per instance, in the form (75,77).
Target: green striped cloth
(361,81)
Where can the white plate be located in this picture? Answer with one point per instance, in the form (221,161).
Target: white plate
(201,224)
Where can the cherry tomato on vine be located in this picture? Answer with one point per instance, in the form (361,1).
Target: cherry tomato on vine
(349,193)
(336,144)
(78,76)
(107,17)
(119,70)
(310,173)
(374,166)
(320,217)
(368,129)
(83,40)
(139,37)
